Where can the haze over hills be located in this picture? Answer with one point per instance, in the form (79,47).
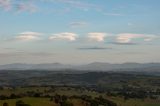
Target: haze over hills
(96,66)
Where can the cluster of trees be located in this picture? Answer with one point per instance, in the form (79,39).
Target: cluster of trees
(18,103)
(12,96)
(15,96)
(97,101)
(21,95)
(61,100)
(21,103)
(87,100)
(136,93)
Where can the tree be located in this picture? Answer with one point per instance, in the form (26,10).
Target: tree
(21,103)
(64,98)
(37,95)
(5,104)
(66,103)
(51,99)
(57,98)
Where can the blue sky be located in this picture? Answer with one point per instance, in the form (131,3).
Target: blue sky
(79,31)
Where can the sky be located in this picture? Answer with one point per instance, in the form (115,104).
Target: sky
(79,31)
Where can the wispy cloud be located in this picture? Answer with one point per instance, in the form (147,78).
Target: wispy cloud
(27,36)
(13,54)
(78,24)
(77,4)
(118,43)
(106,13)
(64,36)
(18,6)
(130,24)
(93,48)
(30,7)
(112,14)
(96,36)
(5,4)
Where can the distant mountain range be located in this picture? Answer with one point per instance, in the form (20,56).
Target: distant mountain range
(96,66)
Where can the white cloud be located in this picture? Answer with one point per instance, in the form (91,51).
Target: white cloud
(122,38)
(27,36)
(128,37)
(5,4)
(96,36)
(64,36)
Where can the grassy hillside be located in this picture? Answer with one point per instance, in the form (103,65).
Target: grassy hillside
(46,101)
(79,88)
